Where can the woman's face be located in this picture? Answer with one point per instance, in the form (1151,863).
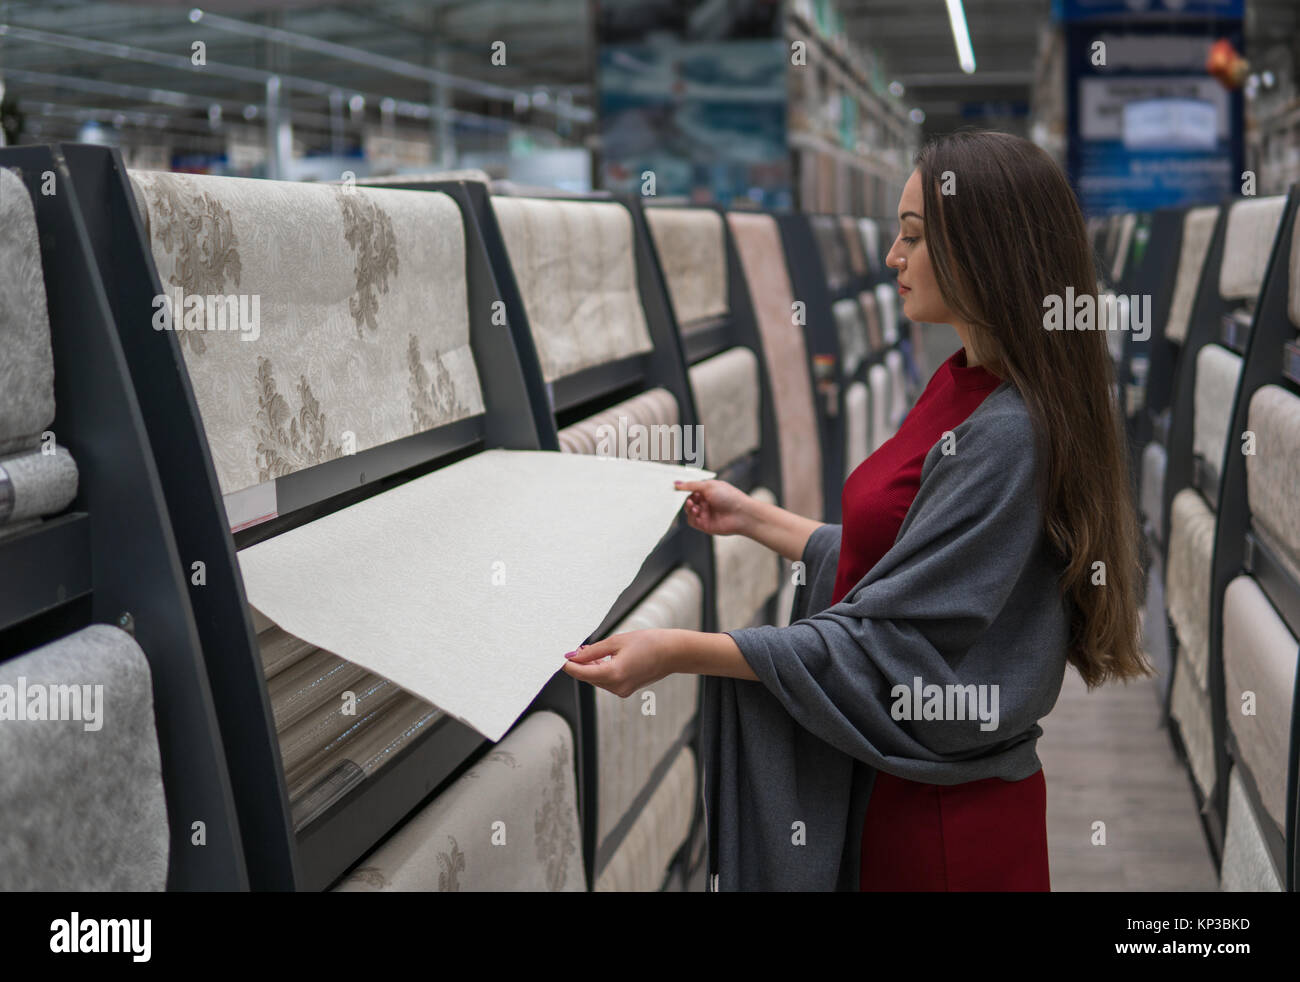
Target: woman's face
(916,283)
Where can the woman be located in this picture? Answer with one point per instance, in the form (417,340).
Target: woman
(885,739)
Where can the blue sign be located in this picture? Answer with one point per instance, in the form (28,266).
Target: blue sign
(1063,10)
(1148,126)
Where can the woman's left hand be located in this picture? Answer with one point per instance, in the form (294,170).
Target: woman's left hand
(640,658)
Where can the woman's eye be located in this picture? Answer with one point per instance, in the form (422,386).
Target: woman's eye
(911,241)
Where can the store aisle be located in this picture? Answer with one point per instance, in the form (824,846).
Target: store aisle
(1107,758)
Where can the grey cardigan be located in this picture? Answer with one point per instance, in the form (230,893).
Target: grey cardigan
(968,595)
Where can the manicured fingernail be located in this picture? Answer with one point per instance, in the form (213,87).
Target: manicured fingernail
(569,654)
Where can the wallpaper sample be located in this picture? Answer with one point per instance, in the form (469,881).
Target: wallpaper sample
(758,243)
(509,823)
(466,586)
(346,325)
(575,265)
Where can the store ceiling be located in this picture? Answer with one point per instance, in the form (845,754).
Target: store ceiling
(916,39)
(547,44)
(1005,34)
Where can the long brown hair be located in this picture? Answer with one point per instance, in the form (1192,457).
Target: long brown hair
(1004,232)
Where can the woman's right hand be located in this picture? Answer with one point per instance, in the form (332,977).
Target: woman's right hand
(715,507)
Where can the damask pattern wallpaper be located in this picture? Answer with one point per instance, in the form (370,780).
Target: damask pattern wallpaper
(338,319)
(508,823)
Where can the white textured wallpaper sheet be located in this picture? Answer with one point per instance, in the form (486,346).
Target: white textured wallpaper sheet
(467,586)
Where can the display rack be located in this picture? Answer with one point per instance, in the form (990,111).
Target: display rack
(1237,548)
(851,139)
(578,396)
(1180,473)
(112,558)
(812,286)
(323,850)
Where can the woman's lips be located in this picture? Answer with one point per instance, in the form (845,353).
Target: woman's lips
(904,290)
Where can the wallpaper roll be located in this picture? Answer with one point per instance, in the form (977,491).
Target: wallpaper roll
(600,434)
(1155,624)
(1127,224)
(81,797)
(857,426)
(1217,372)
(746,574)
(1259,656)
(1191,550)
(871,314)
(278,649)
(1153,485)
(897,389)
(26,365)
(509,823)
(375,738)
(887,298)
(353,327)
(642,859)
(575,265)
(853,239)
(692,251)
(634,734)
(1198,230)
(33,484)
(1273,471)
(831,247)
(869,234)
(881,400)
(762,257)
(1252,226)
(329,722)
(726,394)
(1112,239)
(1247,865)
(852,333)
(315,680)
(1189,705)
(466,586)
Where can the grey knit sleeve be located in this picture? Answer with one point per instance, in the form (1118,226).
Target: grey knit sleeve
(966,604)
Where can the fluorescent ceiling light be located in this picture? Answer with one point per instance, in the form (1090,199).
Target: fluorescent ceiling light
(961,36)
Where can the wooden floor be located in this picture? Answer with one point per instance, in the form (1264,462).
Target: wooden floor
(1106,759)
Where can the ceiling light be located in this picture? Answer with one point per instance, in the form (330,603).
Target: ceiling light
(961,36)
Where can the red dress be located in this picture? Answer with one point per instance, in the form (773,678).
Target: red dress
(983,835)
